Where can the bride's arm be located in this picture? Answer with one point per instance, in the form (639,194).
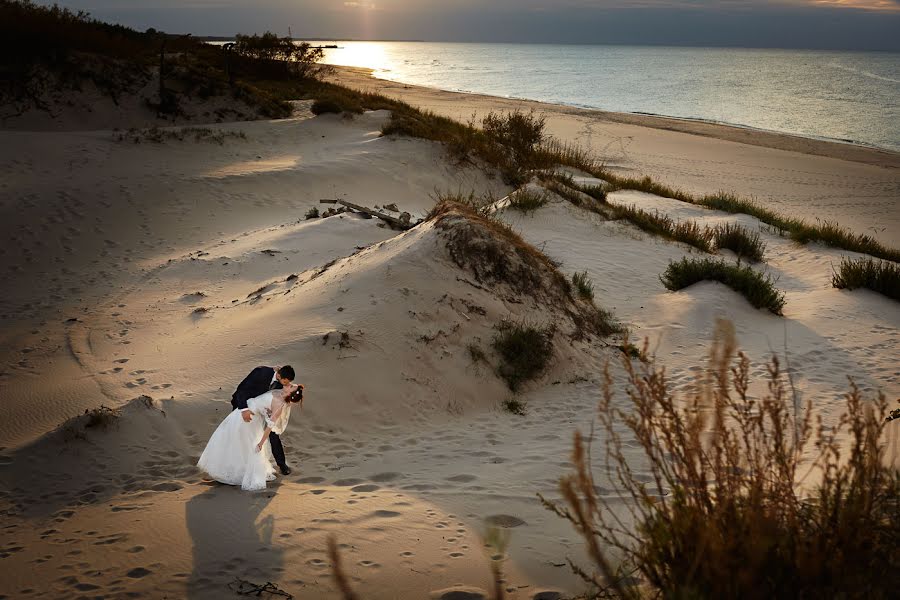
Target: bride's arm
(262,440)
(270,420)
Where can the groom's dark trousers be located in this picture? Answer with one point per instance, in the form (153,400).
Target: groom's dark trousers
(257,383)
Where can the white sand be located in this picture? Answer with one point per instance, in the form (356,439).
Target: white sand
(401,450)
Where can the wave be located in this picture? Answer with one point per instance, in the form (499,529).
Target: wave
(862,72)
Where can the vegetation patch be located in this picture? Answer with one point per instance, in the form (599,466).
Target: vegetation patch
(739,240)
(583,286)
(476,354)
(527,200)
(724,507)
(758,289)
(156,135)
(655,223)
(494,253)
(524,351)
(877,275)
(515,406)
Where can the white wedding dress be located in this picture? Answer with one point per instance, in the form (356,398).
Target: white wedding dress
(230,456)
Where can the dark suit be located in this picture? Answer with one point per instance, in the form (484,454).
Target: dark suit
(255,384)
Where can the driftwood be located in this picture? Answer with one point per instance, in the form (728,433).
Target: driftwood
(247,588)
(403,222)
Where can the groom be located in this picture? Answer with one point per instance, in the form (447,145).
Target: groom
(258,382)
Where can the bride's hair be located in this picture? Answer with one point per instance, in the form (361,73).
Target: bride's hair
(295,396)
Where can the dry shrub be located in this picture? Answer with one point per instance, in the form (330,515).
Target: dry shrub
(729,509)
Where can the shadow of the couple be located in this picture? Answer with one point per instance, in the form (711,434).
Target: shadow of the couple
(230,538)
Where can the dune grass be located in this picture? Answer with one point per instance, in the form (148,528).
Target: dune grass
(877,275)
(527,200)
(687,232)
(583,286)
(524,349)
(758,289)
(744,243)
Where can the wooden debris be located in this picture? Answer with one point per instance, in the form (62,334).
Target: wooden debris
(403,222)
(247,588)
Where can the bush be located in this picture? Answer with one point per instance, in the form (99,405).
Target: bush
(301,60)
(726,513)
(524,352)
(758,289)
(312,213)
(584,286)
(877,275)
(745,244)
(519,134)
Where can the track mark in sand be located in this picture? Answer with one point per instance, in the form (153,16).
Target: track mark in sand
(347,482)
(111,539)
(505,521)
(311,480)
(385,477)
(385,514)
(463,478)
(365,488)
(167,487)
(138,573)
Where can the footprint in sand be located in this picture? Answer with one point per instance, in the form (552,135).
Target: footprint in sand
(504,521)
(385,477)
(138,573)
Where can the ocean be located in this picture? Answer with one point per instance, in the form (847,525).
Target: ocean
(846,96)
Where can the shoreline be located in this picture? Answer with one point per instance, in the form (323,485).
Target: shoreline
(849,150)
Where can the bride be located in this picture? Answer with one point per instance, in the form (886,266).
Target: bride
(238,453)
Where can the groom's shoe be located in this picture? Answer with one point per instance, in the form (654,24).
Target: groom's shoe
(285,470)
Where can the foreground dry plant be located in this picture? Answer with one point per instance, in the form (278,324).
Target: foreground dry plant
(724,513)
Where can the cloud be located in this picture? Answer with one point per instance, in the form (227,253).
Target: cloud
(820,24)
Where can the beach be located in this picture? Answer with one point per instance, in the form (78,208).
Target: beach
(151,277)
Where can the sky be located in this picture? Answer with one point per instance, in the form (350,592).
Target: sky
(816,24)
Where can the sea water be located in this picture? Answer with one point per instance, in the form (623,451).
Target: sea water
(847,96)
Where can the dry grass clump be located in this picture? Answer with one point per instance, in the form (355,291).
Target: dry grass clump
(758,289)
(687,232)
(727,508)
(739,240)
(877,275)
(527,200)
(524,350)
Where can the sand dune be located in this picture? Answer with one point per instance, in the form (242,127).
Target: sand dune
(150,278)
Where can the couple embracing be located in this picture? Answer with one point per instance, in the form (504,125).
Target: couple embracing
(241,449)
